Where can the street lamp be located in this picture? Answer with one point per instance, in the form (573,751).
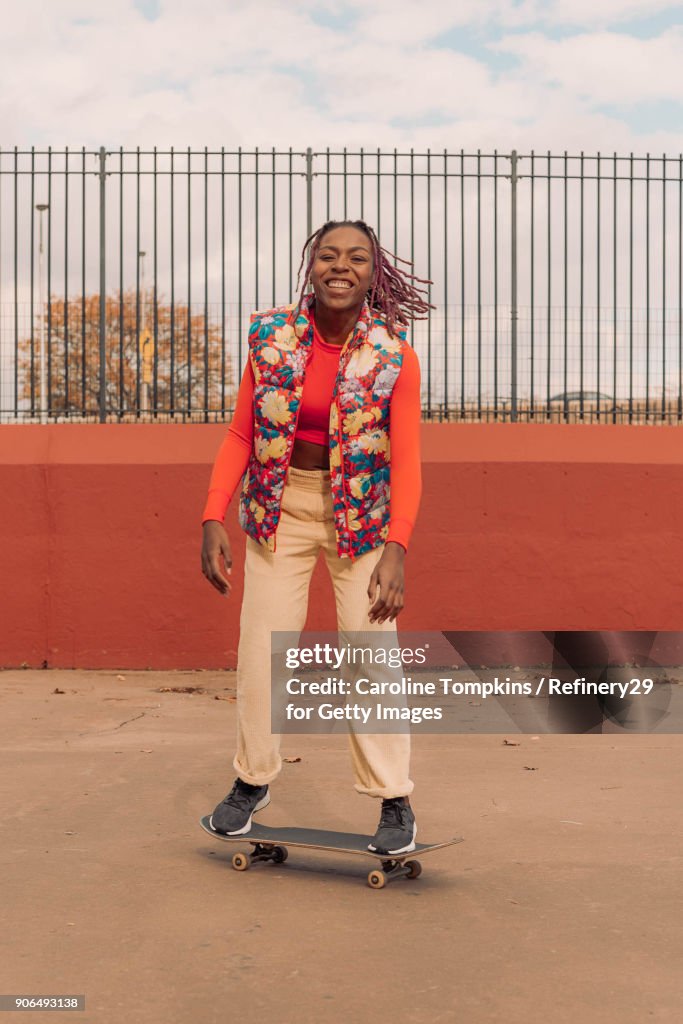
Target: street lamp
(146,343)
(42,207)
(141,259)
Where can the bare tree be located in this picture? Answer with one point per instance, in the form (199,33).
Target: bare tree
(150,368)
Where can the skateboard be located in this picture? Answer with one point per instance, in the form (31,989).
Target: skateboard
(273,843)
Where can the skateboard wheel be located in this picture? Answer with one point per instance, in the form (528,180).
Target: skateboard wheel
(377,879)
(280,854)
(415,868)
(240,861)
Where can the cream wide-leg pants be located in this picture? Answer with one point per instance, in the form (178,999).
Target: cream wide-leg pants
(276,598)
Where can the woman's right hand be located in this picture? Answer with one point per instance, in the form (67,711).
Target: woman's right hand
(214,544)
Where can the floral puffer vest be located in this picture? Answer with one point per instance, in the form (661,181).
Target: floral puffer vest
(369,365)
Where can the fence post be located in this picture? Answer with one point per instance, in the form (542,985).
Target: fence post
(309,192)
(103,304)
(513,286)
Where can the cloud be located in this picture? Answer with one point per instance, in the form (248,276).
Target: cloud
(336,73)
(583,13)
(602,67)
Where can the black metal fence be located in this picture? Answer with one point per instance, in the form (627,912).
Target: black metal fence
(127,277)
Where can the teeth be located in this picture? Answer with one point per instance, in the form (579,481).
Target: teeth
(338,284)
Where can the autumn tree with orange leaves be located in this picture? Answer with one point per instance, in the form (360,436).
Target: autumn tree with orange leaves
(141,379)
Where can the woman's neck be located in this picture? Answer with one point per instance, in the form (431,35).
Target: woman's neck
(335,326)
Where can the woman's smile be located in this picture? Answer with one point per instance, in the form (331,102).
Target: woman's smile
(339,285)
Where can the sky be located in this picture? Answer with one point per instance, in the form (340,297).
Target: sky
(527,74)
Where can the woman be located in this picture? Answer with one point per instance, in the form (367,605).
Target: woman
(310,441)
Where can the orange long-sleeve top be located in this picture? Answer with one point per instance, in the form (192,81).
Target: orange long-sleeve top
(313,425)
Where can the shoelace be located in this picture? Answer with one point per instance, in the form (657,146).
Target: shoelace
(392,815)
(238,795)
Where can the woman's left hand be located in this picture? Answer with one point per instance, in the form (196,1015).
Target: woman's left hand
(388,575)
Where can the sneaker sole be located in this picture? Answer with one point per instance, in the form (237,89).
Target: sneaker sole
(263,802)
(404,849)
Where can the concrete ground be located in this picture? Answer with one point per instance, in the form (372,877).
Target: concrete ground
(563,903)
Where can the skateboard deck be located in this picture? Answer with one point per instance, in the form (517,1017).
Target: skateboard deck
(272,844)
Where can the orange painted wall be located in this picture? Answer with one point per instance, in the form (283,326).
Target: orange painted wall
(522,527)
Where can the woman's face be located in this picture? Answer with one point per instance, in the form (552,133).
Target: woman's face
(342,270)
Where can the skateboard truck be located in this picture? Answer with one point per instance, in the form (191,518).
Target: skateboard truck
(393,869)
(261,851)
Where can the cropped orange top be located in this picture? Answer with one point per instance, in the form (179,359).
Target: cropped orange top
(313,425)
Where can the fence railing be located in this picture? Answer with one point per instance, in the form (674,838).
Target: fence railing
(127,277)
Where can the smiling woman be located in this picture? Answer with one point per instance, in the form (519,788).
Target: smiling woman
(325,439)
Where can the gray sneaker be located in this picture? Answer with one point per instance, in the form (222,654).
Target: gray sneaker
(396,830)
(232,816)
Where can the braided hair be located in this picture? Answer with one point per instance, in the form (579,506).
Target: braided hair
(391,294)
